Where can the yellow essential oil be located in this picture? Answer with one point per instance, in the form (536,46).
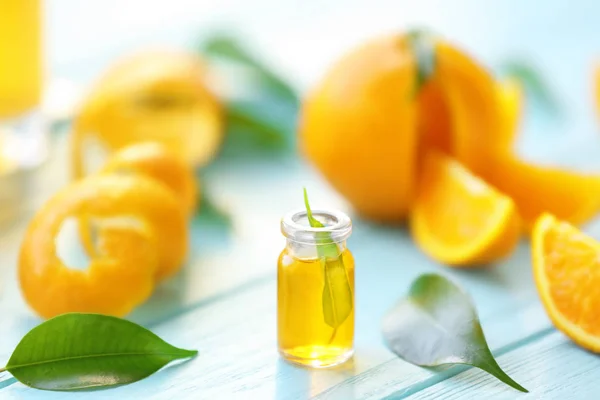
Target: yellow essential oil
(316,290)
(20,56)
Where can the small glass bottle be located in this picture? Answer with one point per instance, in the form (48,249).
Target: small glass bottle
(315,290)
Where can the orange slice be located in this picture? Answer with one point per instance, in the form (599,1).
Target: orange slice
(566,267)
(460,220)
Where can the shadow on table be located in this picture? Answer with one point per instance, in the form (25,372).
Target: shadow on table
(207,236)
(7,382)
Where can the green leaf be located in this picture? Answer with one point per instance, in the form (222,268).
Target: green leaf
(226,47)
(266,122)
(210,211)
(423,47)
(337,293)
(89,351)
(436,324)
(534,82)
(242,122)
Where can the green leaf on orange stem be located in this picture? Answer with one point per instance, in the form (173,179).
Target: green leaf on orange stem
(436,324)
(423,47)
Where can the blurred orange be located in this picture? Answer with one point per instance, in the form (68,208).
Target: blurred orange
(510,99)
(570,196)
(363,124)
(366,128)
(158,95)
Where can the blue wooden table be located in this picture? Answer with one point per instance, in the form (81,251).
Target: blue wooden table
(223,302)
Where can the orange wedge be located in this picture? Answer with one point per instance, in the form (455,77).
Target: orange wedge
(458,219)
(566,267)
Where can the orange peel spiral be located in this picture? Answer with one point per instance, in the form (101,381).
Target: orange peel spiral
(158,162)
(142,238)
(153,160)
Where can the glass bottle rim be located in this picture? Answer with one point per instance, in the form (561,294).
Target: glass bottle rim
(295,227)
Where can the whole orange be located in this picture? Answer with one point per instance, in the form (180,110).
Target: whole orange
(367,123)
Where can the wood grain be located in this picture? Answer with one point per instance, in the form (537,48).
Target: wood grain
(223,304)
(551,368)
(238,358)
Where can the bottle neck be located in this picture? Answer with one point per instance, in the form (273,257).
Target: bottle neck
(307,242)
(305,250)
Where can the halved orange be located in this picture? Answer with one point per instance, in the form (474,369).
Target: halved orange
(460,220)
(566,267)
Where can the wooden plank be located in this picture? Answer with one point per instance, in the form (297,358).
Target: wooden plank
(552,368)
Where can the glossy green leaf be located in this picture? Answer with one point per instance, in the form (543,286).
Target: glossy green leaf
(337,293)
(89,351)
(536,86)
(436,324)
(423,47)
(226,47)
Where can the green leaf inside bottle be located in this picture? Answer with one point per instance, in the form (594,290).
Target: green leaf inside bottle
(337,293)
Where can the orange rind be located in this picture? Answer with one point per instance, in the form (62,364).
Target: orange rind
(142,238)
(566,268)
(154,95)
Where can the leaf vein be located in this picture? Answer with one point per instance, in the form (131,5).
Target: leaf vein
(57,360)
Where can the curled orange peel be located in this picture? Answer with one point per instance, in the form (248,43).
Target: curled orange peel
(142,238)
(155,161)
(158,162)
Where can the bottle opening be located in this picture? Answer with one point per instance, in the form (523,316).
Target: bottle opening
(295,226)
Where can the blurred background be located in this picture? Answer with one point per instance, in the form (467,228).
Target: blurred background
(300,39)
